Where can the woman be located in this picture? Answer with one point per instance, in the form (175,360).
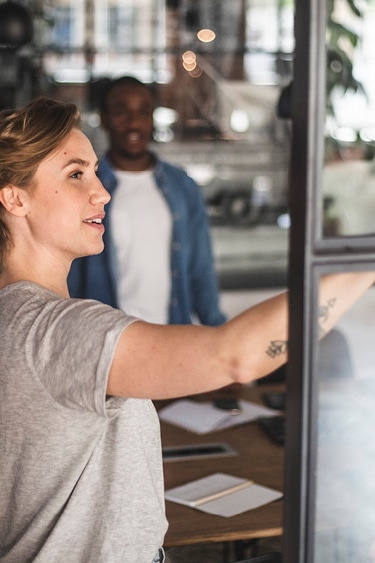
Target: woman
(80,462)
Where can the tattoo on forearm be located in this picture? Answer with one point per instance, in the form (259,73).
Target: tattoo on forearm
(277,348)
(323,315)
(280,347)
(324,310)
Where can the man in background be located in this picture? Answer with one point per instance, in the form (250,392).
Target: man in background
(157,263)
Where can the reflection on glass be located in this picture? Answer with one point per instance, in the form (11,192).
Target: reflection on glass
(349,173)
(217,68)
(345,493)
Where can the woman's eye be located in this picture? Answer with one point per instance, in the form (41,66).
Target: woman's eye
(76,175)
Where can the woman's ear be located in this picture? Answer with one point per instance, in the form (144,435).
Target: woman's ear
(14,200)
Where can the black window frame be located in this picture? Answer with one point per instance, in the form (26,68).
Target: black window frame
(310,256)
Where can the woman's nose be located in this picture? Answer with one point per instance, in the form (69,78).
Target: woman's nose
(100,194)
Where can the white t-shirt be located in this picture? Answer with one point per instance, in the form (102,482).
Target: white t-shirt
(142,229)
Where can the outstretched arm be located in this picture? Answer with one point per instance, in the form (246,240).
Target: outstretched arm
(158,362)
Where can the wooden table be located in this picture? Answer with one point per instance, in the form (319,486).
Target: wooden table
(259,459)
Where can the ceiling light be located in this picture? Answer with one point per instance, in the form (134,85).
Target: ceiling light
(206,35)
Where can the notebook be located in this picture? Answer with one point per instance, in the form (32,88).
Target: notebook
(222,494)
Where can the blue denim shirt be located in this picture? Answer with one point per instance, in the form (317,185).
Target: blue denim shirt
(194,283)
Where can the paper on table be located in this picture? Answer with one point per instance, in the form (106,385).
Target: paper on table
(222,495)
(205,417)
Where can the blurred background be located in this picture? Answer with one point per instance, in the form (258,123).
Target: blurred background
(223,72)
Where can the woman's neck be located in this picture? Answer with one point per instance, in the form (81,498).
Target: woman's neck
(49,278)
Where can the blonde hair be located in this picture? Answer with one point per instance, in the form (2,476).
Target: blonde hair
(27,136)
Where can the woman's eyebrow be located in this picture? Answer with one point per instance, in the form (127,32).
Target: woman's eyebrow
(80,162)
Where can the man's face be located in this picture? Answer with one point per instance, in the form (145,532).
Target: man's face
(128,119)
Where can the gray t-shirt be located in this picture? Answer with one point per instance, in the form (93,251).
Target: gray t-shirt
(80,473)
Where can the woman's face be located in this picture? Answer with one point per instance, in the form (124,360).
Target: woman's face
(66,201)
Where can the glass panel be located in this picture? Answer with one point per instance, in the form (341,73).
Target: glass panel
(217,117)
(104,37)
(218,95)
(345,486)
(349,175)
